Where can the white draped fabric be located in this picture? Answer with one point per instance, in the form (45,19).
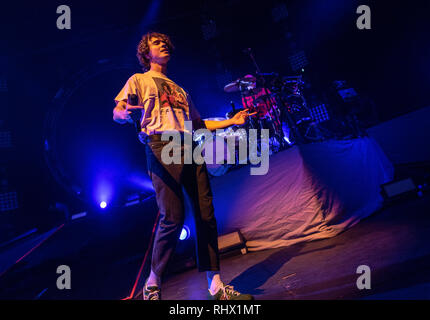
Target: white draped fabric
(310,192)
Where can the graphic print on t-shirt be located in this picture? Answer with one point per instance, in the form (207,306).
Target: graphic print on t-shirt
(170,95)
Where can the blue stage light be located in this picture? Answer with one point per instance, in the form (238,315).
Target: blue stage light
(185,233)
(103,204)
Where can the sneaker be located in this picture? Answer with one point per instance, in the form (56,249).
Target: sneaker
(151,293)
(228,293)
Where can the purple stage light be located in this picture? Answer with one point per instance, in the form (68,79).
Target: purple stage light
(141,180)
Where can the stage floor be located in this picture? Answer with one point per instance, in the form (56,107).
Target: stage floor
(105,255)
(392,242)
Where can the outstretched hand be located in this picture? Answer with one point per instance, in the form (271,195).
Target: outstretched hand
(241,117)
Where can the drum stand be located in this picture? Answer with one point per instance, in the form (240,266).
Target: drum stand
(278,132)
(290,122)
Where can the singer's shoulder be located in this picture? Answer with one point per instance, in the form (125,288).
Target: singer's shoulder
(137,76)
(148,75)
(141,78)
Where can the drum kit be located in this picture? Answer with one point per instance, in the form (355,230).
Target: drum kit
(276,103)
(279,106)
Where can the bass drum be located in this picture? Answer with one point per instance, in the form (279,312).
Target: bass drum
(221,159)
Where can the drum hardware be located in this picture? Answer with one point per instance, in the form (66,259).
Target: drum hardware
(263,98)
(286,116)
(241,84)
(268,113)
(262,77)
(233,111)
(320,132)
(225,158)
(280,105)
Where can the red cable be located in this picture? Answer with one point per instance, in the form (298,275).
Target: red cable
(144,260)
(140,270)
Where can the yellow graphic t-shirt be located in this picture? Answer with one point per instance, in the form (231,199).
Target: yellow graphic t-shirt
(166,105)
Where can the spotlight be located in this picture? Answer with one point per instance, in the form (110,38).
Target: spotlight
(103,204)
(319,113)
(8,201)
(185,233)
(298,61)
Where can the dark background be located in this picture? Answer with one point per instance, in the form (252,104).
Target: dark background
(388,65)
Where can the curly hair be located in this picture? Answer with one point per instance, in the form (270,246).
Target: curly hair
(143,48)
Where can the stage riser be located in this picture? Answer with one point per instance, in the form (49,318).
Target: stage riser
(405,139)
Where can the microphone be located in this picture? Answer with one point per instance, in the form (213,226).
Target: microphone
(133,100)
(231,113)
(232,105)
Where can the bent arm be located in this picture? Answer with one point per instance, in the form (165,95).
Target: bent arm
(213,125)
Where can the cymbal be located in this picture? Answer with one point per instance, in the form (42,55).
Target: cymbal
(240,84)
(232,87)
(292,79)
